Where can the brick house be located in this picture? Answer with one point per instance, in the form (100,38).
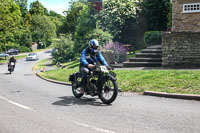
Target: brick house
(181,46)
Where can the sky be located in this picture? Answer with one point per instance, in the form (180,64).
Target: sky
(56,5)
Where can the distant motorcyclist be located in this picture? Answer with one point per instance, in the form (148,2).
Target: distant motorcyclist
(12,59)
(89,57)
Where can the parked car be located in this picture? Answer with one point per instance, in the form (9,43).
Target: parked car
(2,54)
(32,56)
(13,51)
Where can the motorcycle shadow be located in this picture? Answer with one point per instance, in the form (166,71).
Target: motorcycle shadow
(8,73)
(71,100)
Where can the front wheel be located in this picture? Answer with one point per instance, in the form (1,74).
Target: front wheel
(109,91)
(11,69)
(76,87)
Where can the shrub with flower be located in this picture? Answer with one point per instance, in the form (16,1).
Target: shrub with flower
(118,49)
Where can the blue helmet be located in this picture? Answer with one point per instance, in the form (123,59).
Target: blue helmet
(94,44)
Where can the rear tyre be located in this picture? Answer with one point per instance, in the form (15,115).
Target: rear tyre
(76,87)
(109,92)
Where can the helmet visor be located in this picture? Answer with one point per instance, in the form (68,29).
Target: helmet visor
(95,47)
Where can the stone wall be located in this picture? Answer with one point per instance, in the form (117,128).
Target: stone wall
(184,21)
(181,49)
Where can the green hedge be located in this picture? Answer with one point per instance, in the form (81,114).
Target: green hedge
(152,38)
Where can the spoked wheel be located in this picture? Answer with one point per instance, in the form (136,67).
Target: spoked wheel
(109,92)
(76,87)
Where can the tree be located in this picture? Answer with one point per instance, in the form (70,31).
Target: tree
(36,8)
(23,6)
(26,38)
(157,12)
(72,16)
(54,14)
(118,17)
(10,17)
(27,20)
(64,49)
(42,29)
(57,19)
(86,24)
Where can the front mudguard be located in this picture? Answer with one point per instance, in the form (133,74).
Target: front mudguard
(109,76)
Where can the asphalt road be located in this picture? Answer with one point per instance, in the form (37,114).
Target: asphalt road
(29,104)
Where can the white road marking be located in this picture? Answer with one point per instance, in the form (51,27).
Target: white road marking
(17,104)
(94,128)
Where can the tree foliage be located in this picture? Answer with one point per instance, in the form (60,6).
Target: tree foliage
(23,6)
(157,14)
(10,17)
(102,37)
(36,8)
(72,16)
(86,24)
(63,49)
(57,19)
(42,28)
(115,15)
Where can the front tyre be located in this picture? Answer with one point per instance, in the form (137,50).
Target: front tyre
(11,69)
(76,87)
(109,91)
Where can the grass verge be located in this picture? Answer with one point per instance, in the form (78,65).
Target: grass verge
(171,81)
(3,60)
(40,64)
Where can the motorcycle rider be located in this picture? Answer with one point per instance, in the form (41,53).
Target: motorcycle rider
(12,59)
(89,57)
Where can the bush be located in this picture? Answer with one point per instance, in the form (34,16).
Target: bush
(49,42)
(118,49)
(11,46)
(24,49)
(98,34)
(101,36)
(63,49)
(152,38)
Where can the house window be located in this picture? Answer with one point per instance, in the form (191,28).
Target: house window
(191,7)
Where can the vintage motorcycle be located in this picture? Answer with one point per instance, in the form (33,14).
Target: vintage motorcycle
(11,67)
(100,82)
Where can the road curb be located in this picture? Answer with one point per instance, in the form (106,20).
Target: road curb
(50,80)
(173,95)
(54,81)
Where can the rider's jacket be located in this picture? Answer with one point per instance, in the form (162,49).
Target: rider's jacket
(12,60)
(87,58)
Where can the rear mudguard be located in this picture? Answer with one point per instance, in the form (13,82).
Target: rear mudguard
(74,76)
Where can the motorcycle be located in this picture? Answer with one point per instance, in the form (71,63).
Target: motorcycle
(100,82)
(11,67)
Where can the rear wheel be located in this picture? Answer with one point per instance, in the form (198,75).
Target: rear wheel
(109,91)
(76,87)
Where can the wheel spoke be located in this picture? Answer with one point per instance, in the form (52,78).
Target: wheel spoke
(108,90)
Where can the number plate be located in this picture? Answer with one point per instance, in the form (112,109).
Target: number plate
(104,69)
(12,63)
